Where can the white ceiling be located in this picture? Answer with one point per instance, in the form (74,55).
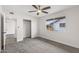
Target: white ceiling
(23,9)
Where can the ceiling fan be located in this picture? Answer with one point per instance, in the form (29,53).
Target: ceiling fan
(40,10)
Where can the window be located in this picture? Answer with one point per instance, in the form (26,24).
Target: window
(59,26)
(56,24)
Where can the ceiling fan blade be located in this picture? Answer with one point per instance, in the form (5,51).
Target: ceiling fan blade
(46,8)
(35,6)
(45,12)
(31,11)
(37,13)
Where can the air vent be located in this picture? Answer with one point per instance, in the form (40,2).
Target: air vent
(11,13)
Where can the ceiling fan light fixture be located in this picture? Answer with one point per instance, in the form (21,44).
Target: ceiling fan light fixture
(39,11)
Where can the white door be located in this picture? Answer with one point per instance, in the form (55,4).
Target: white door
(27,28)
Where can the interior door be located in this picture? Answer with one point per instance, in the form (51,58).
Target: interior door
(27,28)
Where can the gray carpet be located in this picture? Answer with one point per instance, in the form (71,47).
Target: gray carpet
(38,45)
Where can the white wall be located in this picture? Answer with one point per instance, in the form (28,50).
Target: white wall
(70,35)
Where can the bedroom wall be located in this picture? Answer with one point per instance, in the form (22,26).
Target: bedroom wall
(70,35)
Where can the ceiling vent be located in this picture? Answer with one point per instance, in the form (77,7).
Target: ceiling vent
(11,13)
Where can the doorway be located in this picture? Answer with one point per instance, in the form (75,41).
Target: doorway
(27,28)
(11,31)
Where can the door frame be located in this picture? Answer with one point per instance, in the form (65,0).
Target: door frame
(2,33)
